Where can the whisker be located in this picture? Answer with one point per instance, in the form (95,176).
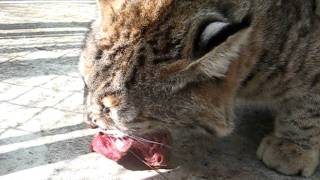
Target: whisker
(148,141)
(143,139)
(113,132)
(120,134)
(152,168)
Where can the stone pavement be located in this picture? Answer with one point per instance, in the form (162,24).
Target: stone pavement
(41,131)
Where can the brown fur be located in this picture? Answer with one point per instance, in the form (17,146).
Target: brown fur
(142,63)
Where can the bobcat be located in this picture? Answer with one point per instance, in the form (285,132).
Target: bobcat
(152,65)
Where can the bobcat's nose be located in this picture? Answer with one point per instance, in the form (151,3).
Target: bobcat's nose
(95,118)
(89,121)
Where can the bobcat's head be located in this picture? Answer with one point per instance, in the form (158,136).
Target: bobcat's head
(150,65)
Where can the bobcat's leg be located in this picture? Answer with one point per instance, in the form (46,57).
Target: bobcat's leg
(293,147)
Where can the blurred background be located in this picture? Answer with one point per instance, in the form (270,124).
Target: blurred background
(41,131)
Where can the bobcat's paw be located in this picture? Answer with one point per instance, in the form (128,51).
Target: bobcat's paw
(287,157)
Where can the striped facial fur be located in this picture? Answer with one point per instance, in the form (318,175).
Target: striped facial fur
(150,65)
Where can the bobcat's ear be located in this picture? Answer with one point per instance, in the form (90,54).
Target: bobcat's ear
(215,64)
(108,9)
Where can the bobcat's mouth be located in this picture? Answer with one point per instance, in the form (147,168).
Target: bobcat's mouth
(152,148)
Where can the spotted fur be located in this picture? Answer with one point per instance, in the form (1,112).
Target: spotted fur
(145,70)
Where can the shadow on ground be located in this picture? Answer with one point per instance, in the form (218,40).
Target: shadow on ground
(56,131)
(38,67)
(38,25)
(53,152)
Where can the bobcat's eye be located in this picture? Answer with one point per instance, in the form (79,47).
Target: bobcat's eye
(212,34)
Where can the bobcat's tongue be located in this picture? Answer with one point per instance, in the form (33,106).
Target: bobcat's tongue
(116,148)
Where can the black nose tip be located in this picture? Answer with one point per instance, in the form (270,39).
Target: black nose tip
(90,122)
(93,126)
(106,110)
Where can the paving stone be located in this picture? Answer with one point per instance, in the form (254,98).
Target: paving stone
(65,11)
(9,56)
(51,118)
(26,81)
(39,97)
(65,83)
(8,135)
(15,115)
(25,158)
(73,103)
(39,54)
(43,43)
(10,91)
(37,68)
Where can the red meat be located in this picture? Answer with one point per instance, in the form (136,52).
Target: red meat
(114,148)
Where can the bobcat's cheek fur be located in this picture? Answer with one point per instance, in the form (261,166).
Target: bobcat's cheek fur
(146,55)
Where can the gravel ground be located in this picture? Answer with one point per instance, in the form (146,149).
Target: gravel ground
(41,131)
